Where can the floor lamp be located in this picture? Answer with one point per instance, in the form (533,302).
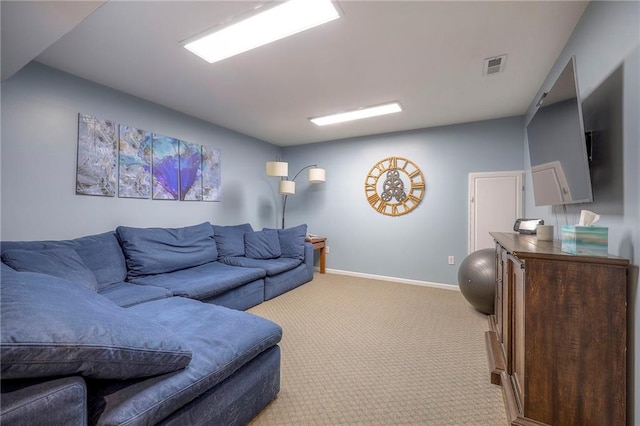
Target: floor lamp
(287,187)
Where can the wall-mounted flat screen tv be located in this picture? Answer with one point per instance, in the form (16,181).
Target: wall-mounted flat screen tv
(557,145)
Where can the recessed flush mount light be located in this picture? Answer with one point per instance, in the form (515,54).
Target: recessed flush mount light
(273,24)
(357,114)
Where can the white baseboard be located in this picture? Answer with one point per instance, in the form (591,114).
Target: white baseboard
(394,279)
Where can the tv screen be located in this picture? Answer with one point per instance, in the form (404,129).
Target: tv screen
(557,145)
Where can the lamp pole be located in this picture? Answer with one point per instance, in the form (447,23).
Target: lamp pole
(284,204)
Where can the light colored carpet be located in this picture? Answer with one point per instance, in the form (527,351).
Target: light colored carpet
(357,351)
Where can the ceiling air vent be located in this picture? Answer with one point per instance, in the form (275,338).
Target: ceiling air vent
(494,64)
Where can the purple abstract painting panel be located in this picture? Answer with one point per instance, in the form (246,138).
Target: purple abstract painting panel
(134,178)
(139,164)
(97,156)
(166,161)
(190,171)
(211,174)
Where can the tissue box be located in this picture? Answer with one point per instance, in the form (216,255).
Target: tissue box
(585,240)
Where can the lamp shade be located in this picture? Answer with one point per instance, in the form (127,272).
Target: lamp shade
(287,187)
(316,175)
(277,168)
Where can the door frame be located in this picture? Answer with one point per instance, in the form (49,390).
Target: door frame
(517,174)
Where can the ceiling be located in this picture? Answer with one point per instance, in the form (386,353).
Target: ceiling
(427,55)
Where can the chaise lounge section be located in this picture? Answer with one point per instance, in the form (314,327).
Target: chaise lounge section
(145,325)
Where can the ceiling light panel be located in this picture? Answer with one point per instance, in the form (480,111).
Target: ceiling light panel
(273,24)
(357,114)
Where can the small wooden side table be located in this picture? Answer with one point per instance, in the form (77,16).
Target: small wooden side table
(319,243)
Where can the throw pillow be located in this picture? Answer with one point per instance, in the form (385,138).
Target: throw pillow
(52,327)
(230,239)
(59,262)
(262,244)
(150,251)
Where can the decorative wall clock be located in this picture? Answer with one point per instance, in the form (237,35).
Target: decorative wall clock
(394,186)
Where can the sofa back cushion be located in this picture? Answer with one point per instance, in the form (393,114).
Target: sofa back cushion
(53,327)
(262,244)
(101,253)
(6,270)
(230,239)
(150,251)
(60,262)
(292,241)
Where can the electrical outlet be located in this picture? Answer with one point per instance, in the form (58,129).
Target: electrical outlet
(327,249)
(452,260)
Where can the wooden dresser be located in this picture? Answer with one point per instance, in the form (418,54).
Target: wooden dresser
(558,339)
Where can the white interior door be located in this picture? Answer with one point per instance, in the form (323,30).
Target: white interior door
(495,202)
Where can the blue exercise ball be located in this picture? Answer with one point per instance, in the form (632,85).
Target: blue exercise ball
(477,279)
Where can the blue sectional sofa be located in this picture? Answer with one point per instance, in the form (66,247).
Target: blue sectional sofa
(143,326)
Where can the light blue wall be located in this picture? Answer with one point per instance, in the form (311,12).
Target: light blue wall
(40,109)
(39,138)
(414,246)
(606,44)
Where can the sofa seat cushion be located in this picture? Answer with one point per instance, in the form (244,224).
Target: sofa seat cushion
(126,294)
(236,400)
(53,327)
(223,340)
(288,280)
(204,281)
(271,266)
(101,253)
(62,262)
(151,251)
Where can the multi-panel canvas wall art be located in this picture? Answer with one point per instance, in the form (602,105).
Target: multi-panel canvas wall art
(134,176)
(211,167)
(165,168)
(96,169)
(141,164)
(190,171)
